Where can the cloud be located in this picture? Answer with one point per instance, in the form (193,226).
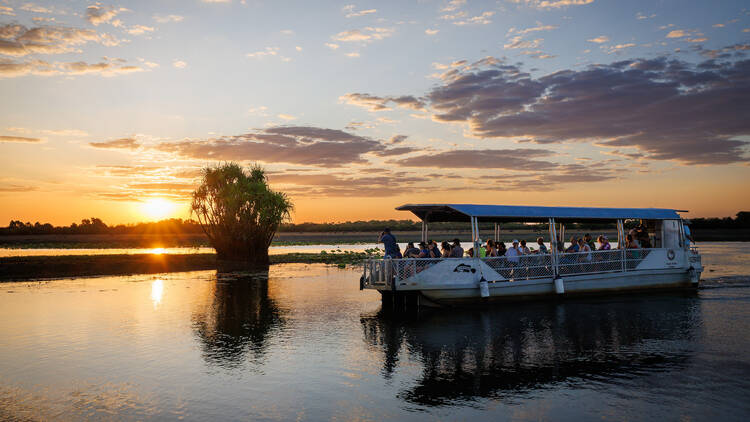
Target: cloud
(302,145)
(666,108)
(461,19)
(599,40)
(286,116)
(101,68)
(65,132)
(139,29)
(452,5)
(7,11)
(122,143)
(553,4)
(518,42)
(677,33)
(525,159)
(332,46)
(351,13)
(168,18)
(18,40)
(431,31)
(538,54)
(180,64)
(18,139)
(353,54)
(97,14)
(375,103)
(366,35)
(17,188)
(539,27)
(268,51)
(618,48)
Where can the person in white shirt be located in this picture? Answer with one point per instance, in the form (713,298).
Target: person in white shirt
(513,254)
(523,248)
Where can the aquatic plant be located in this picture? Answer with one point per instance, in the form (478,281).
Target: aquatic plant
(238,212)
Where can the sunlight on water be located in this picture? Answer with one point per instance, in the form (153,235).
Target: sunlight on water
(157,291)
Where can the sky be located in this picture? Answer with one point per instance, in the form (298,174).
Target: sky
(112,109)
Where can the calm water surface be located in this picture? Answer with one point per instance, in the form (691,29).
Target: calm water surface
(301,342)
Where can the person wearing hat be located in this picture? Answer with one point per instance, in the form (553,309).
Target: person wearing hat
(604,243)
(424,251)
(513,253)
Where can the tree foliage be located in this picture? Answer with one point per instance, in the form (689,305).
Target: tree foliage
(239,212)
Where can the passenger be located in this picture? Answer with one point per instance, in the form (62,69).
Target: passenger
(434,251)
(585,249)
(411,251)
(445,251)
(513,253)
(457,251)
(389,242)
(604,243)
(542,247)
(424,251)
(500,247)
(490,248)
(482,250)
(524,250)
(630,242)
(573,248)
(589,241)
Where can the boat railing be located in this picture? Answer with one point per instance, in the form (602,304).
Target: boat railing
(385,272)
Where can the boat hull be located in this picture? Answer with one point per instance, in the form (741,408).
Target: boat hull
(580,285)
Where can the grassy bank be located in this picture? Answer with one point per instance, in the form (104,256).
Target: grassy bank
(40,267)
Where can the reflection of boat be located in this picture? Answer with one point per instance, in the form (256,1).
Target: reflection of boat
(504,352)
(239,321)
(670,262)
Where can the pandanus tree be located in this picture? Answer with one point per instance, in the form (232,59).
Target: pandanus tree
(239,212)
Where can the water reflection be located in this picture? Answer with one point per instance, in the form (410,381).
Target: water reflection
(510,352)
(239,322)
(157,291)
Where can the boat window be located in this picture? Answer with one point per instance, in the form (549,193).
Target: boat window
(671,234)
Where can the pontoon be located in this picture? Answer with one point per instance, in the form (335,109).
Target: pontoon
(671,263)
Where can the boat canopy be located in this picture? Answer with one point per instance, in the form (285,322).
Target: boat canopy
(505,213)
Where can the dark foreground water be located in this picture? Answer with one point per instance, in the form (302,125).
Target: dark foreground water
(303,343)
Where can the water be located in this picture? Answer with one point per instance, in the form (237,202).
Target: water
(302,342)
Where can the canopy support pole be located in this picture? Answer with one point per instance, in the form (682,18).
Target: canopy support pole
(424,230)
(553,245)
(497,232)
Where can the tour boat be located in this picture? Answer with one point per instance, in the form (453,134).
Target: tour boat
(671,263)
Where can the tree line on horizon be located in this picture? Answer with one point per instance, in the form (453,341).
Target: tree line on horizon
(179,226)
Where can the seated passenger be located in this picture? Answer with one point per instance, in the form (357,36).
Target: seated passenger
(424,251)
(445,250)
(542,247)
(630,242)
(457,251)
(589,241)
(411,251)
(524,250)
(490,248)
(434,250)
(584,248)
(573,248)
(500,247)
(604,243)
(513,253)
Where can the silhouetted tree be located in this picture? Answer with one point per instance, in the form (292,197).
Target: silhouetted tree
(239,212)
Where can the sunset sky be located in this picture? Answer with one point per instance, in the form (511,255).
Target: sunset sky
(111,109)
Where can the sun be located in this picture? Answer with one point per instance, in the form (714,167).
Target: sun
(157,208)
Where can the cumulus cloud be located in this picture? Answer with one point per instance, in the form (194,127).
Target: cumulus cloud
(19,139)
(509,159)
(366,35)
(376,103)
(303,145)
(10,68)
(462,19)
(431,31)
(600,39)
(168,18)
(101,68)
(18,40)
(97,14)
(7,11)
(351,13)
(139,29)
(666,108)
(553,4)
(180,64)
(539,27)
(122,143)
(518,42)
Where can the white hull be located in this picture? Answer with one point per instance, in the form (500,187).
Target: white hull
(459,281)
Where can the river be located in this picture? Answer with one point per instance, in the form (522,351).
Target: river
(301,342)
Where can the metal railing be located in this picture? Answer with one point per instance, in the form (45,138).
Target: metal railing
(386,272)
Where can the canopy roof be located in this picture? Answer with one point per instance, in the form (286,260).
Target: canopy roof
(500,213)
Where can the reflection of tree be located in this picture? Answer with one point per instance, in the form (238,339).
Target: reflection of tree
(515,349)
(239,321)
